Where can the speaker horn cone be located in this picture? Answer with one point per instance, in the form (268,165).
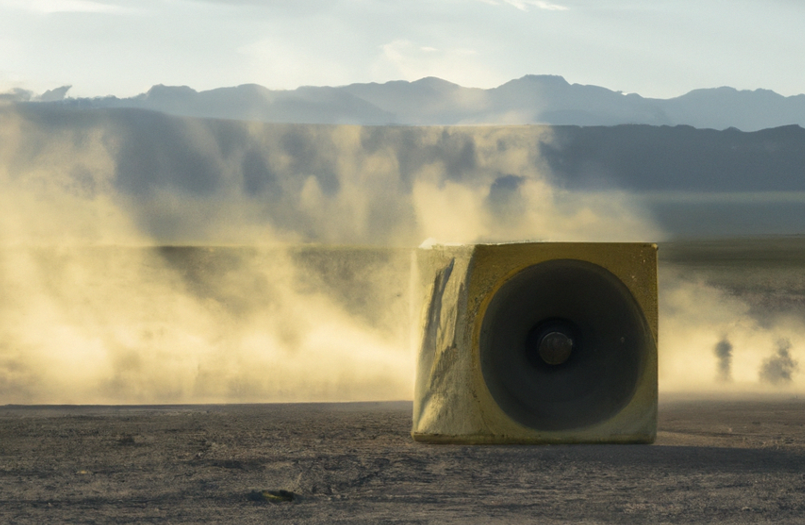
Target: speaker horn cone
(562,345)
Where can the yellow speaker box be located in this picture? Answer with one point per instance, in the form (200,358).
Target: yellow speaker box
(538,343)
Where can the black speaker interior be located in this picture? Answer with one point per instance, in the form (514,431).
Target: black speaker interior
(562,345)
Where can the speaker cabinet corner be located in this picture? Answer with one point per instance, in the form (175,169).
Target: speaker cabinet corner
(538,343)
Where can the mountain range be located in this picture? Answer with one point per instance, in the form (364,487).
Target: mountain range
(533,99)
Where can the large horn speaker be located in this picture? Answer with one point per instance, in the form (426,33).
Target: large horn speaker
(538,343)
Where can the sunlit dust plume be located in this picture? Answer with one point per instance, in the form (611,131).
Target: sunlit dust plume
(146,258)
(695,316)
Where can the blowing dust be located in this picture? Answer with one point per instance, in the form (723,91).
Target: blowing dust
(714,341)
(154,259)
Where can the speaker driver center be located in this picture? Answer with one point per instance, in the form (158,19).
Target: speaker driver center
(555,347)
(562,345)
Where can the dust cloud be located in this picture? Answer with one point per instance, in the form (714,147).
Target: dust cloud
(154,259)
(708,334)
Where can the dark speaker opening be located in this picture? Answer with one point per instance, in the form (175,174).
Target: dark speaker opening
(562,345)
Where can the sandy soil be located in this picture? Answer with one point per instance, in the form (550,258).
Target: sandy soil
(722,461)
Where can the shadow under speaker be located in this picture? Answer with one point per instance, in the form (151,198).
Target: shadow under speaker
(537,343)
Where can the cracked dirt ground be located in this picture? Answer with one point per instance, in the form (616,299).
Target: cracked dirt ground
(716,461)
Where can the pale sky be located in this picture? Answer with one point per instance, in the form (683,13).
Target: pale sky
(655,48)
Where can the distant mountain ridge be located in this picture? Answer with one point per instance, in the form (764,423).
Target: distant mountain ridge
(533,99)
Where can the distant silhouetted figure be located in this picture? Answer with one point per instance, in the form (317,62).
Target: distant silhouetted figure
(723,351)
(778,368)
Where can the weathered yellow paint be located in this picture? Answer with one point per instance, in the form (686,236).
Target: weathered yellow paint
(452,403)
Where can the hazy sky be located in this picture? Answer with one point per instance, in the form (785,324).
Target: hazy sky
(660,48)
